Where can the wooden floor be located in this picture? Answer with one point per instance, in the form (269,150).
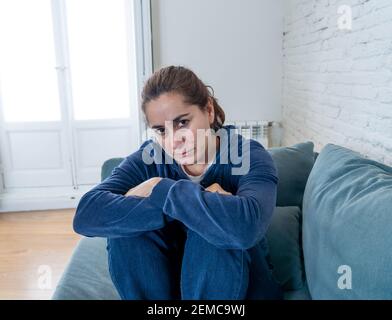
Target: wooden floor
(34,249)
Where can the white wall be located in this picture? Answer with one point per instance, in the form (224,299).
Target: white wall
(232,45)
(338,83)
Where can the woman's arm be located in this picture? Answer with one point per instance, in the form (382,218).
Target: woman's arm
(106,211)
(227,221)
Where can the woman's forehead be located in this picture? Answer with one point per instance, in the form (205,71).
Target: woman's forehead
(167,109)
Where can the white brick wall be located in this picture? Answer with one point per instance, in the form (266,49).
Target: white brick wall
(337,84)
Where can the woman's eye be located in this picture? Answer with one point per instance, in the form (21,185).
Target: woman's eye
(160,131)
(182,123)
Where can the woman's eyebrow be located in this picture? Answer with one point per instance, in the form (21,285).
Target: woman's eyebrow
(176,119)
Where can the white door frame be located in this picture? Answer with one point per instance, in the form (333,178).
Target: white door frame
(143,31)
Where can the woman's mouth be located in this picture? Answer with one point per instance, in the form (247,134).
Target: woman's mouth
(186,153)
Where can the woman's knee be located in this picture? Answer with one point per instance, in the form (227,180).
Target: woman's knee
(143,267)
(211,272)
(165,239)
(197,243)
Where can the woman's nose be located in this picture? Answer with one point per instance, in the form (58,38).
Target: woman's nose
(178,142)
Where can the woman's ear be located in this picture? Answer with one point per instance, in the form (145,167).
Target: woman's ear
(210,111)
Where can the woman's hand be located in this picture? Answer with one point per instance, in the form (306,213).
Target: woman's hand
(144,189)
(215,187)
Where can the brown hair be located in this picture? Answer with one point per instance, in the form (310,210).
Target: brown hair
(185,82)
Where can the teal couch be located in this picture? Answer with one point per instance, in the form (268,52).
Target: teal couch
(329,237)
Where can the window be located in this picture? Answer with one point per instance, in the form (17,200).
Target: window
(29,90)
(98,58)
(70,73)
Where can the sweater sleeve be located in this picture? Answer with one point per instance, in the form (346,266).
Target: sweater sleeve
(105,211)
(228,221)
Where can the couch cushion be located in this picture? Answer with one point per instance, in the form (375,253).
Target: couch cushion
(284,241)
(87,276)
(293,164)
(347,223)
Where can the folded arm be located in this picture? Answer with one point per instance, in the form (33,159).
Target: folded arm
(106,210)
(228,221)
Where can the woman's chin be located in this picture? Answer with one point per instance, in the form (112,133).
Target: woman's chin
(185,161)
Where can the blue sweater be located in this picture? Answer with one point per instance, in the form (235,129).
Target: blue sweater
(237,221)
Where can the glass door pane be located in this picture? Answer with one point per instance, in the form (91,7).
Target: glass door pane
(28,80)
(98,51)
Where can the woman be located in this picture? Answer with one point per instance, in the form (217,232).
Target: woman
(183,221)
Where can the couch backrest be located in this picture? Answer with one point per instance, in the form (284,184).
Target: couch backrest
(108,167)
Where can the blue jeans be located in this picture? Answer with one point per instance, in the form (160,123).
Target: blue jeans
(175,263)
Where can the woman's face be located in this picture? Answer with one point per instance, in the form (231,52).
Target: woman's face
(176,126)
